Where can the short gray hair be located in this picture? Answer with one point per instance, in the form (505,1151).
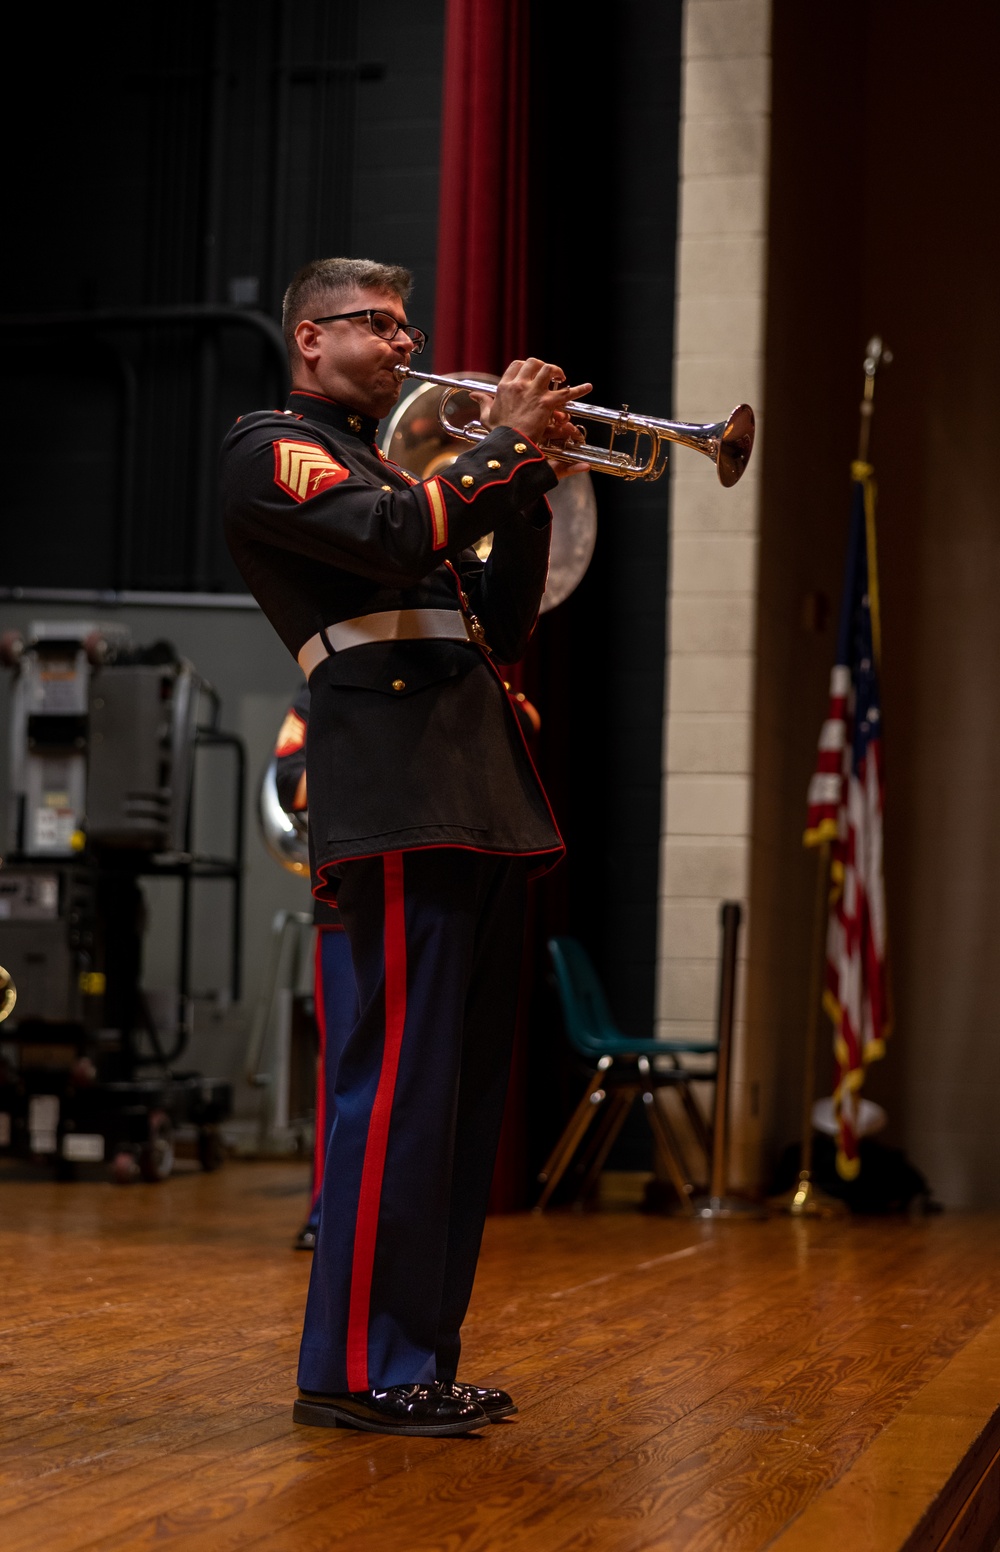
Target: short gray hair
(321,283)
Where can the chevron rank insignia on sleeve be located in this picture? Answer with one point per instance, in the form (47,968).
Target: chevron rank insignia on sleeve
(303,469)
(292,735)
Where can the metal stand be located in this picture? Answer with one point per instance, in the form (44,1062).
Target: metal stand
(274,1011)
(717,1204)
(806,1200)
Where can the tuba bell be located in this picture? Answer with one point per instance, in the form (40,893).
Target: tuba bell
(8,994)
(416,439)
(285,836)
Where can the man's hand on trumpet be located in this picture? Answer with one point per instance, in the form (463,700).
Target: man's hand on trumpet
(561,430)
(527,399)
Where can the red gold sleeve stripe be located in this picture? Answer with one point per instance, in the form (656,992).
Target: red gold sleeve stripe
(292,735)
(439,514)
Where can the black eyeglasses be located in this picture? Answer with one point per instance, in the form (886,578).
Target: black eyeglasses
(382,324)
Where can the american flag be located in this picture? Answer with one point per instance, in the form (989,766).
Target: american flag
(845,811)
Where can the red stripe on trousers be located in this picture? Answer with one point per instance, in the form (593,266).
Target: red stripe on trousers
(369,1197)
(319,1003)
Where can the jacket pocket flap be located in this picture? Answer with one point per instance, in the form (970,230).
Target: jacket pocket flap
(400,667)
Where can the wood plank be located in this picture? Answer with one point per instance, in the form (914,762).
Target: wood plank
(976,1527)
(681,1384)
(911,1489)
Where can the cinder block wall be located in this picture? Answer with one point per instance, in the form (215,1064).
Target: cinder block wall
(725,115)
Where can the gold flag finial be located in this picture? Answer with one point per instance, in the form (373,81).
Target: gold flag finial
(876,355)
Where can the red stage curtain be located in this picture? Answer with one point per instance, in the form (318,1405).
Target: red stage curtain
(481,305)
(480,310)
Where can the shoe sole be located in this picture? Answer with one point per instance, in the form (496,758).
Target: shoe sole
(497,1413)
(313,1415)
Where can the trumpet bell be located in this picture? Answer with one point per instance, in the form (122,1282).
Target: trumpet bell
(735,445)
(415,439)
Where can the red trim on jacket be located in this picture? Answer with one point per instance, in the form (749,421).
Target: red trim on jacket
(555,854)
(517,722)
(520,733)
(475,490)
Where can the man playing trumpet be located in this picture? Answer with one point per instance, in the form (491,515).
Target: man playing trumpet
(426,816)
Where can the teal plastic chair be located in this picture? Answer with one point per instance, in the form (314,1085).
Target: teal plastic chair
(622,1069)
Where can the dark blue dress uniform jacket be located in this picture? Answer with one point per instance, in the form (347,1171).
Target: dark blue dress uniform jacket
(411,743)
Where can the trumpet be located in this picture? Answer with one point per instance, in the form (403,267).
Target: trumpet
(728,443)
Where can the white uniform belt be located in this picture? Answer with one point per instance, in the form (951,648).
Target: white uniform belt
(387,625)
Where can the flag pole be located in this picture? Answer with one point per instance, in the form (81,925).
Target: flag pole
(806,1200)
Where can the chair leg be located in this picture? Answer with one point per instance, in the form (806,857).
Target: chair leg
(561,1156)
(699,1125)
(670,1149)
(702,1129)
(617,1116)
(593,1139)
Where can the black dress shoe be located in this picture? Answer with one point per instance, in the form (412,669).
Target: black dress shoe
(495,1403)
(305,1239)
(404,1409)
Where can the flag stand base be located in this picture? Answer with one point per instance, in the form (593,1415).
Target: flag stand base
(807,1201)
(726,1207)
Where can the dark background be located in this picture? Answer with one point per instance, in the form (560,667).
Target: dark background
(883,220)
(194,157)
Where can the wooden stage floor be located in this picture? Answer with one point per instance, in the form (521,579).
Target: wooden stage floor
(830,1386)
